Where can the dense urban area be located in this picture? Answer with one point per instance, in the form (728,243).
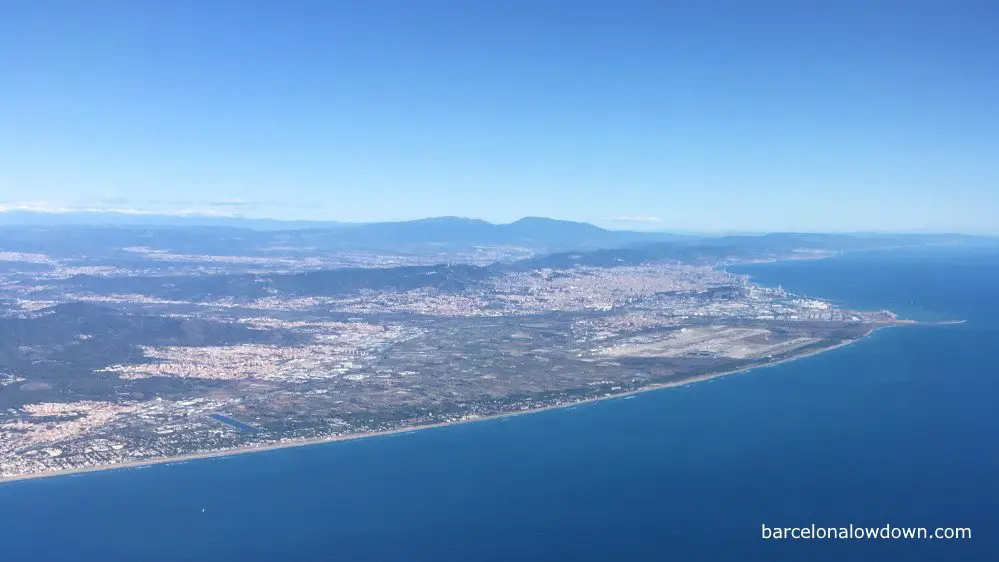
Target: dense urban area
(145,353)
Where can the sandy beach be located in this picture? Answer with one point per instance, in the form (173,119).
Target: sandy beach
(408,429)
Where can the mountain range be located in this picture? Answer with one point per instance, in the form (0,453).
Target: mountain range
(97,234)
(179,232)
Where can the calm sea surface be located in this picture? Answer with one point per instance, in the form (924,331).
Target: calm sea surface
(902,428)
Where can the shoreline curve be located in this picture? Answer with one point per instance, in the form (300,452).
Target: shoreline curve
(409,429)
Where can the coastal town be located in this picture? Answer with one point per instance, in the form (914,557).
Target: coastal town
(114,365)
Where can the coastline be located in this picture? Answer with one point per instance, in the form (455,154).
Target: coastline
(140,463)
(409,429)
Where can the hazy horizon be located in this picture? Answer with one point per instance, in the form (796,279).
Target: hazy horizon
(194,216)
(764,117)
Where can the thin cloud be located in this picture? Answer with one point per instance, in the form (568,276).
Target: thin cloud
(231,203)
(234,203)
(638,219)
(44,207)
(121,205)
(113,201)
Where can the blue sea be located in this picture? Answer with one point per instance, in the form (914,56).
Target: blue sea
(901,428)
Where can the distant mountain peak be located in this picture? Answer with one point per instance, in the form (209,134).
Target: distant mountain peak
(547,225)
(546,220)
(450,220)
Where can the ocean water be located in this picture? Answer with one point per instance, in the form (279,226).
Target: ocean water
(900,428)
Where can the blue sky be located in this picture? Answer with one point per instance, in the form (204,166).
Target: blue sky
(696,115)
